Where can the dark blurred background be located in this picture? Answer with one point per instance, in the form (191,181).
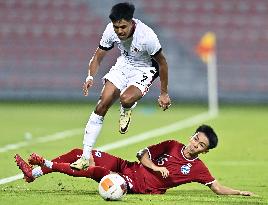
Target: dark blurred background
(45,47)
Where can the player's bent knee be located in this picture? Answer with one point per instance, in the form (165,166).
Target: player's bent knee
(76,151)
(127,100)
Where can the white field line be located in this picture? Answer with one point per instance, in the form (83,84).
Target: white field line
(158,132)
(11,179)
(121,143)
(44,139)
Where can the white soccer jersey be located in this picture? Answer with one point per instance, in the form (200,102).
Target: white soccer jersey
(136,50)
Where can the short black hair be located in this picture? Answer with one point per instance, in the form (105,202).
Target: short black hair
(210,134)
(122,11)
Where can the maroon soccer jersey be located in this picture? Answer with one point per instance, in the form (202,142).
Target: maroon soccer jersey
(168,154)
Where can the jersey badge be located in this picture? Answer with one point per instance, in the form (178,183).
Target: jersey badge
(185,169)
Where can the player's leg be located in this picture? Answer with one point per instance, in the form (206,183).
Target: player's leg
(139,81)
(128,100)
(30,173)
(110,93)
(104,164)
(69,157)
(93,172)
(108,161)
(98,158)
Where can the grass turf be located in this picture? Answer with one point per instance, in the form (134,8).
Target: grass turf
(240,160)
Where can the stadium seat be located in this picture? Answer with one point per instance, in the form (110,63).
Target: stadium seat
(46,42)
(239,25)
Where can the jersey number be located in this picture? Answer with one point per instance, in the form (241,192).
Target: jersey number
(161,160)
(144,77)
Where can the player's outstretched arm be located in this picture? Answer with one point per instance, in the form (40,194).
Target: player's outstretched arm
(93,67)
(217,188)
(163,100)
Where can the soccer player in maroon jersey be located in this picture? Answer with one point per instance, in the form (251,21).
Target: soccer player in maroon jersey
(160,167)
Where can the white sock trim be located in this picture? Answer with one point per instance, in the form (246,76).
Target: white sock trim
(96,118)
(48,164)
(37,172)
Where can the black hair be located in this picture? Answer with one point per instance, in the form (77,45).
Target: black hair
(210,134)
(122,11)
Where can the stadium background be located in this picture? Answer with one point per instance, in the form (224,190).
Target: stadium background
(46,46)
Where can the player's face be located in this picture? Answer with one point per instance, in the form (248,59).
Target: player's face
(198,143)
(123,28)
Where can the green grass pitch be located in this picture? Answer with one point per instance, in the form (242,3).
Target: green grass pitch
(240,160)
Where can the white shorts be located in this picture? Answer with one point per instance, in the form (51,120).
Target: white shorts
(124,75)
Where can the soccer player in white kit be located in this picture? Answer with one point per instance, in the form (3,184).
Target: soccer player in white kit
(141,61)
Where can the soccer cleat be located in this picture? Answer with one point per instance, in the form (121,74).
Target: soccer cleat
(25,168)
(28,179)
(124,121)
(35,159)
(81,163)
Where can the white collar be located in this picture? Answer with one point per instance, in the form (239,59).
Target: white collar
(190,160)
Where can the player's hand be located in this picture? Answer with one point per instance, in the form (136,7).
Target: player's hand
(164,101)
(246,193)
(87,85)
(163,170)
